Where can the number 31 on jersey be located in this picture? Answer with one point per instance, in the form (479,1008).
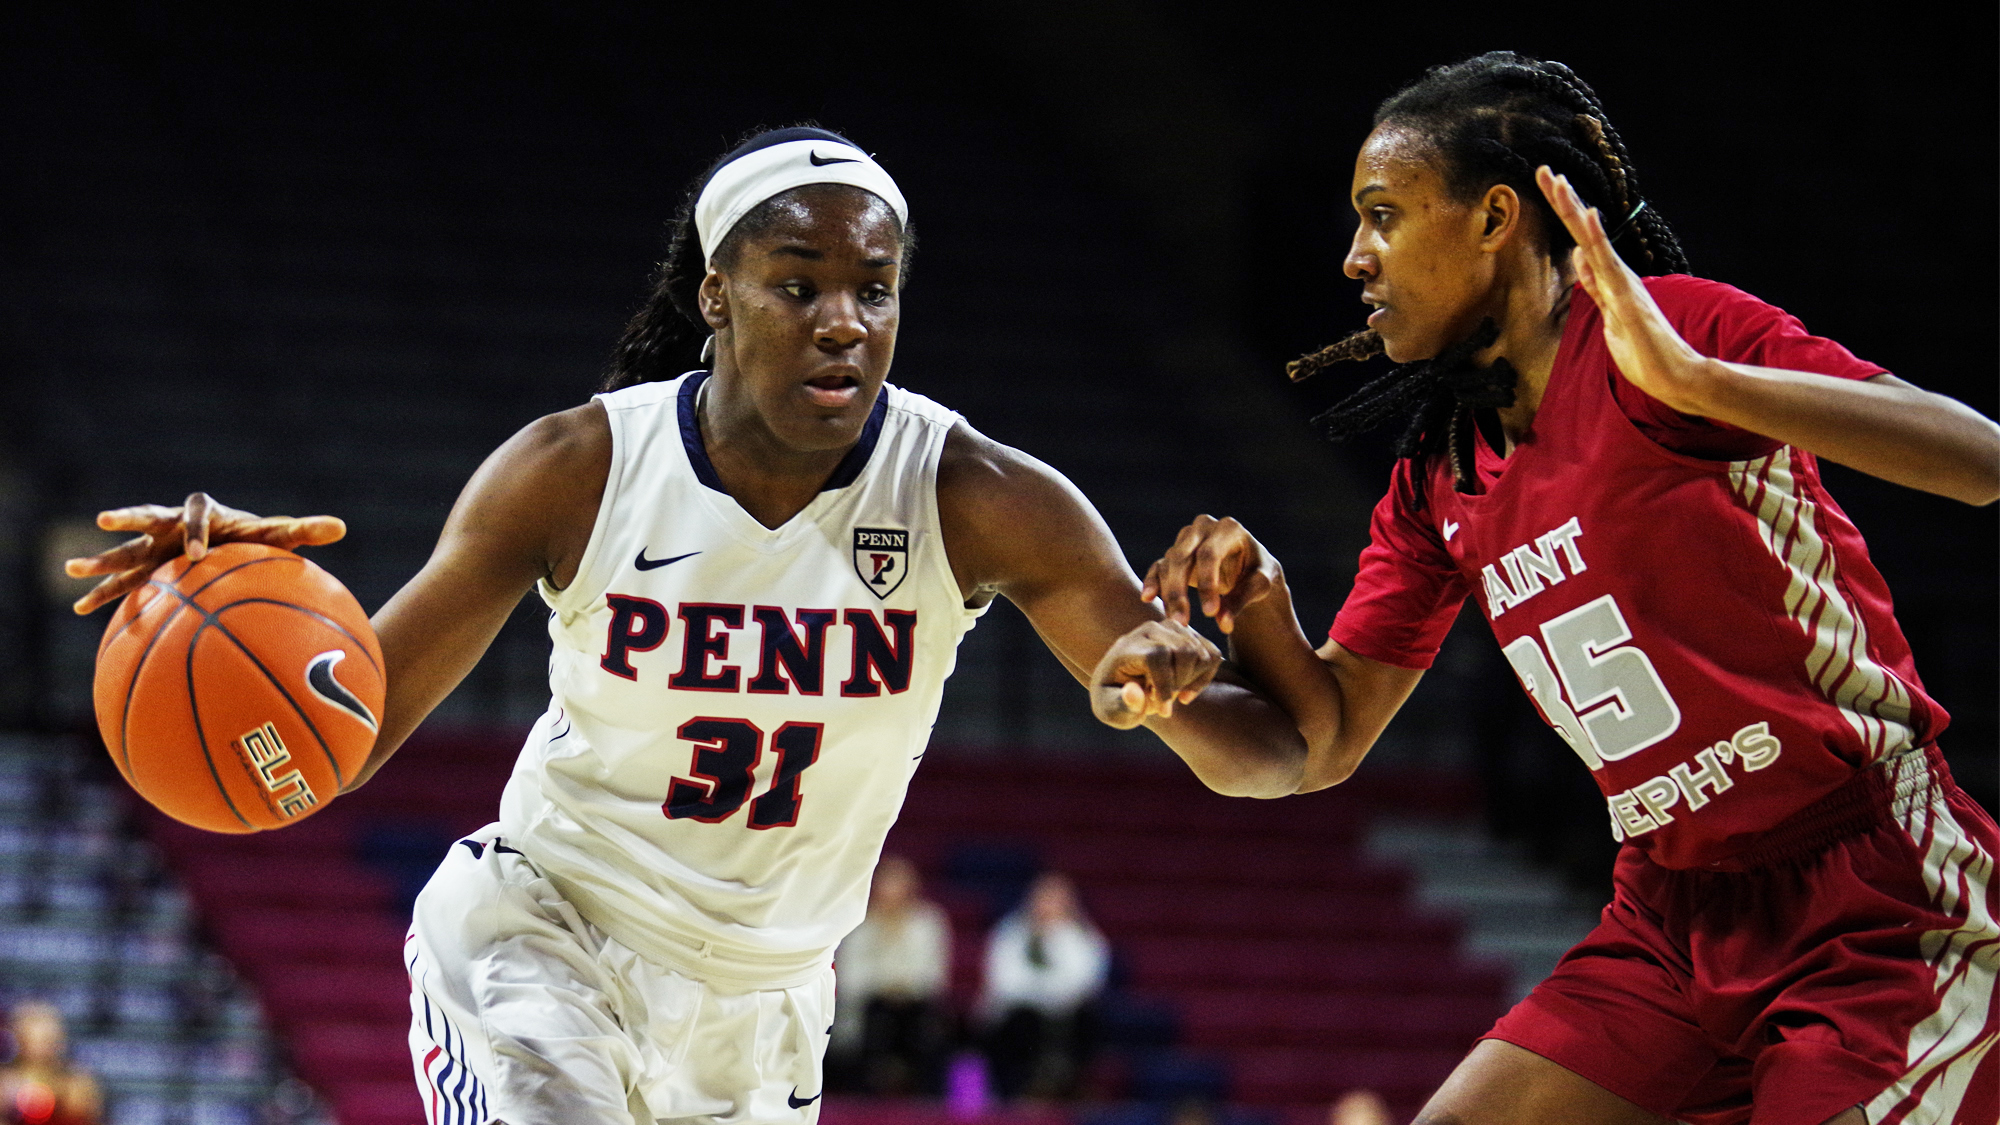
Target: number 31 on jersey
(725,767)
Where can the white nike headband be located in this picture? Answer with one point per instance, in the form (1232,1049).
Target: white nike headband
(754,177)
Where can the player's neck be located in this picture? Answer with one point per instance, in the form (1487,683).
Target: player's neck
(767,478)
(1532,313)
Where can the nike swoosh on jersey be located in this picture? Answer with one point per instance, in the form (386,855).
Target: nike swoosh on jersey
(819,161)
(644,563)
(1450,529)
(792,1099)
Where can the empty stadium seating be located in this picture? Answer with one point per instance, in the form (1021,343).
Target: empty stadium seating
(1255,934)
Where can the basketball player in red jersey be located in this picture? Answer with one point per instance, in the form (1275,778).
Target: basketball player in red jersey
(642,947)
(1622,473)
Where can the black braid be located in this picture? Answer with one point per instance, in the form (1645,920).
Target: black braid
(1431,393)
(1492,120)
(1364,344)
(664,337)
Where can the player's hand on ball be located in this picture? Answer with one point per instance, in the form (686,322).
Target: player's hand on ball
(163,533)
(1222,562)
(1148,670)
(1642,342)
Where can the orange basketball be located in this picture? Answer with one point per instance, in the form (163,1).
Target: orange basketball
(240,692)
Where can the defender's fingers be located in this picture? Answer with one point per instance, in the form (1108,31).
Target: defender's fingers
(1214,573)
(1561,196)
(1150,588)
(1132,696)
(1172,582)
(124,556)
(1254,586)
(1569,206)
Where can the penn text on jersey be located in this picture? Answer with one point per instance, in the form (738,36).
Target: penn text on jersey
(791,646)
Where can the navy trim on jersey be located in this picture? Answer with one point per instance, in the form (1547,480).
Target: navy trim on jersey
(844,474)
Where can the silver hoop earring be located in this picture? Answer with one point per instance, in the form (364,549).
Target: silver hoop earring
(708,351)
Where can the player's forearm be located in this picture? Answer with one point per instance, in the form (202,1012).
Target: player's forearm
(1883,427)
(426,655)
(1339,701)
(1271,649)
(1236,741)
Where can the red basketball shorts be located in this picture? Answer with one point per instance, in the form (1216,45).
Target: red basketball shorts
(1850,961)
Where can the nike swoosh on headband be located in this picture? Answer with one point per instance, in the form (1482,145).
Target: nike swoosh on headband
(819,161)
(319,677)
(644,563)
(792,1099)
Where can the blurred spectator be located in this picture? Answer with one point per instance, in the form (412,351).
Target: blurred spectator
(1359,1107)
(38,1086)
(891,1026)
(1045,964)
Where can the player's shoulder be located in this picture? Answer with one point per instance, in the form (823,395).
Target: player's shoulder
(911,407)
(1004,511)
(581,432)
(972,462)
(564,457)
(641,396)
(1685,295)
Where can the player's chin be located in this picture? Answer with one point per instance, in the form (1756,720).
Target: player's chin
(1401,348)
(821,430)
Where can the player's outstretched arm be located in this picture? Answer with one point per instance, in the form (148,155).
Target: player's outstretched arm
(525,515)
(1340,701)
(1882,426)
(1014,526)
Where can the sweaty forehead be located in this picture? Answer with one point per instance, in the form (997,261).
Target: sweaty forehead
(830,218)
(1396,160)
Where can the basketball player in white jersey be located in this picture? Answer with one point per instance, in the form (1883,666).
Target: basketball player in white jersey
(759,575)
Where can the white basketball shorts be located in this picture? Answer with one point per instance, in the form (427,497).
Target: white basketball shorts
(524,1013)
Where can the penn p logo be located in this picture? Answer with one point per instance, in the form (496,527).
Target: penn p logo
(319,677)
(881,558)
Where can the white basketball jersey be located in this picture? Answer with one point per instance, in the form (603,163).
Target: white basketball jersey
(738,709)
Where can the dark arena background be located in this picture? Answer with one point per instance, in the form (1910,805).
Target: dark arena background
(323,258)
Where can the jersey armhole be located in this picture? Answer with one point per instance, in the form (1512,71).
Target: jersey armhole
(586,580)
(932,456)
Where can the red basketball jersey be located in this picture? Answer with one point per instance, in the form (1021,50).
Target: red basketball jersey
(1708,635)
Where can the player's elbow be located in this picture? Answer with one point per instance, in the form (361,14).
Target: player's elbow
(1981,491)
(1264,770)
(1329,761)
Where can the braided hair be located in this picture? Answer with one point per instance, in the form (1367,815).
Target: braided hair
(1492,120)
(667,331)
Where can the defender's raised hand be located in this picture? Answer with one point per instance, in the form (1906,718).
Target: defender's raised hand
(1148,670)
(1643,344)
(1224,564)
(164,532)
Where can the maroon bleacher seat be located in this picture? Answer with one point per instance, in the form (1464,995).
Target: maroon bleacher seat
(1281,945)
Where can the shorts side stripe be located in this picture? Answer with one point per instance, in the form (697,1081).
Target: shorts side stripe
(454,1094)
(1947,1047)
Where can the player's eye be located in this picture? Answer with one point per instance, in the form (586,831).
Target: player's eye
(1379,216)
(877,296)
(798,289)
